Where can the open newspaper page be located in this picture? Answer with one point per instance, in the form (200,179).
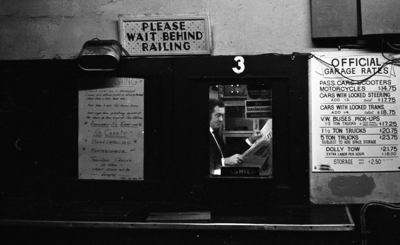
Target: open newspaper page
(260,153)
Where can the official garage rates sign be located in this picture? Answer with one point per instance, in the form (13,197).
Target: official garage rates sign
(146,36)
(355,101)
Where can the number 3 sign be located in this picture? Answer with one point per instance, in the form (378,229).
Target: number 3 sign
(240,63)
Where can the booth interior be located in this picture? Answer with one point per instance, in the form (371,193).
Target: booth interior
(41,177)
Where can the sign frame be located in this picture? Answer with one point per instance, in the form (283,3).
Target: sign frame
(125,19)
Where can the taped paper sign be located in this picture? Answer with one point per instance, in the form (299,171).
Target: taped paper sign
(111,116)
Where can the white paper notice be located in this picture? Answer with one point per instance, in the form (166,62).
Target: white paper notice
(111,129)
(354,124)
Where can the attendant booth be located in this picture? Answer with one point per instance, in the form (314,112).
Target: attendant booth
(47,183)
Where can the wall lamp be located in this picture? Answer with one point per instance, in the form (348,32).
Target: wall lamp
(100,55)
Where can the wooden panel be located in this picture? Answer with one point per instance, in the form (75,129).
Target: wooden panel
(380,17)
(354,187)
(334,18)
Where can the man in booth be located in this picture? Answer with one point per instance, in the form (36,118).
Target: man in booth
(218,157)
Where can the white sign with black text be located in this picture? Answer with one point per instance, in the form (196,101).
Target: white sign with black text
(354,101)
(111,129)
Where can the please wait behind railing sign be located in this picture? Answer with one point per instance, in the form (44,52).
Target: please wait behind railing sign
(166,35)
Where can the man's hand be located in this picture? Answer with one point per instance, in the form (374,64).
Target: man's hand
(234,160)
(255,136)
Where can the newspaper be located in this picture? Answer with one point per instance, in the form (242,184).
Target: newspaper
(260,153)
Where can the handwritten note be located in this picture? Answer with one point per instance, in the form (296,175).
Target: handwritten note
(111,129)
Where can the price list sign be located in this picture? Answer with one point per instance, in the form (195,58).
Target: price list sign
(354,105)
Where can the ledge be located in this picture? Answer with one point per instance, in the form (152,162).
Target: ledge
(133,216)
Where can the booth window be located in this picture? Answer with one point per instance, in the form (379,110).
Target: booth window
(245,109)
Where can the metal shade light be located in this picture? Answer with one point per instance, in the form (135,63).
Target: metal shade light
(100,55)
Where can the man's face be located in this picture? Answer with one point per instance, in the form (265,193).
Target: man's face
(217,117)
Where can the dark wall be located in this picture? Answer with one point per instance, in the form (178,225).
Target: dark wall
(39,128)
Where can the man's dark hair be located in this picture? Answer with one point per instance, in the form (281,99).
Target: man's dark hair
(212,103)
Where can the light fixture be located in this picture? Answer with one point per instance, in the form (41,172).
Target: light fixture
(100,55)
